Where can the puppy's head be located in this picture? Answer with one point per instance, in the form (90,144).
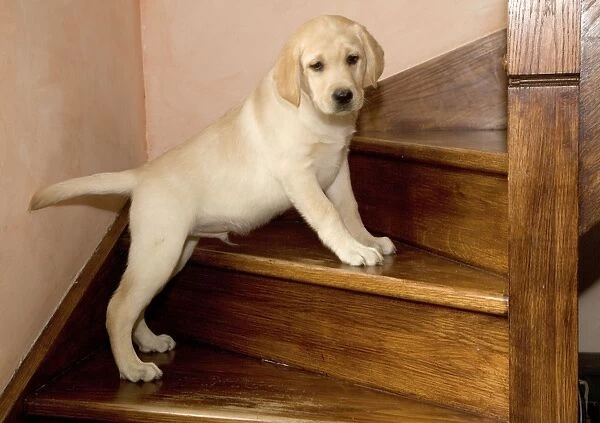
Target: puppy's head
(332,59)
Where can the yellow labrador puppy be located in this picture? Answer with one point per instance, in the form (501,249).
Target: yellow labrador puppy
(285,145)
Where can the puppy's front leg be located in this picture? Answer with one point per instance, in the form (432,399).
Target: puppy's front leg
(303,190)
(341,194)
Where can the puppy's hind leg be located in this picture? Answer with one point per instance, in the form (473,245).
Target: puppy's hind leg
(156,245)
(145,339)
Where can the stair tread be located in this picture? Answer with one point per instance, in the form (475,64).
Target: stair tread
(291,250)
(484,150)
(203,384)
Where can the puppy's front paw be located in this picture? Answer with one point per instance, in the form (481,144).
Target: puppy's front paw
(384,245)
(141,371)
(359,255)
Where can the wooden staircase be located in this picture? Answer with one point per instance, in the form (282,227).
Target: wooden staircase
(424,325)
(275,329)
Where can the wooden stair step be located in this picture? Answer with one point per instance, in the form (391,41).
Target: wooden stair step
(481,150)
(445,191)
(281,295)
(202,384)
(291,250)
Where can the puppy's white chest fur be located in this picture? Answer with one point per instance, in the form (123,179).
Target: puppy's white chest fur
(327,160)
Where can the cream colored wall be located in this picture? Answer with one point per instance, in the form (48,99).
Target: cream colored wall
(71,104)
(201,57)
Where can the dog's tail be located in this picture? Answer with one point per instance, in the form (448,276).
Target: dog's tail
(98,184)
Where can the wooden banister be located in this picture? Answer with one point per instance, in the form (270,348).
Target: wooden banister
(543,143)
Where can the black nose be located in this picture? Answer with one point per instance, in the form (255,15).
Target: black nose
(342,96)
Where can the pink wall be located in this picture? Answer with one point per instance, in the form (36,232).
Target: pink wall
(202,57)
(72,104)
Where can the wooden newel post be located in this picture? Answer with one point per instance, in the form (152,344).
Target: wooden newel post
(543,143)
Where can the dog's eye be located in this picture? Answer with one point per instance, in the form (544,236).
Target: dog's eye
(317,66)
(352,59)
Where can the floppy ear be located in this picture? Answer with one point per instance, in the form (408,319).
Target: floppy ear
(287,74)
(374,54)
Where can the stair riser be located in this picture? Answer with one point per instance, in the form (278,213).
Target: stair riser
(458,213)
(444,355)
(465,88)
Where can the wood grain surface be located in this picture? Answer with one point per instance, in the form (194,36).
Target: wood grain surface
(543,37)
(290,250)
(454,212)
(202,384)
(438,354)
(75,329)
(589,147)
(543,213)
(483,151)
(463,89)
